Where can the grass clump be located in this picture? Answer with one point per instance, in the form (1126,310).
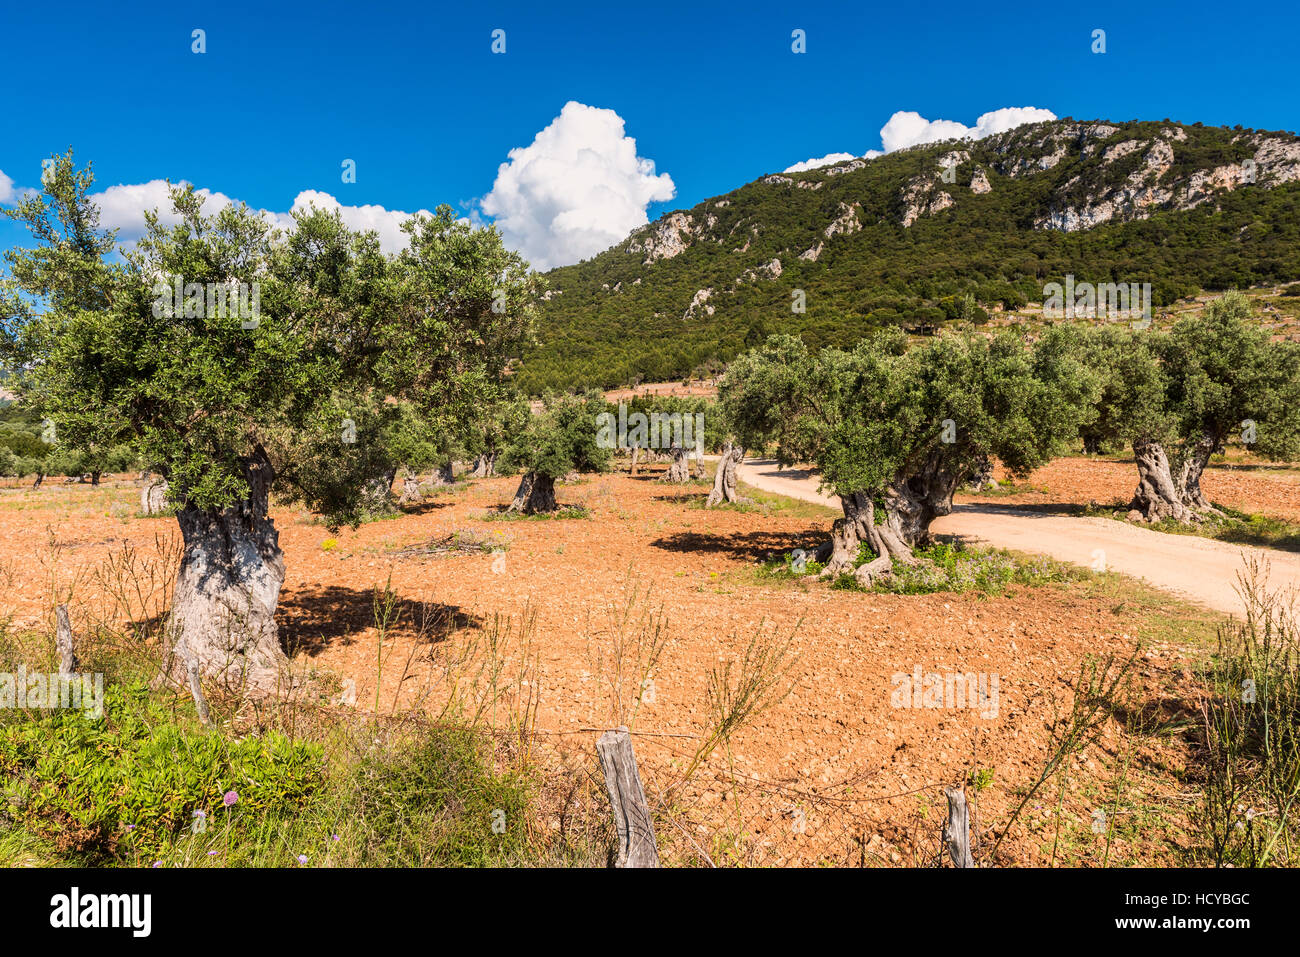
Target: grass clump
(437,802)
(940,567)
(1250,734)
(957,567)
(794,564)
(1240,528)
(563,512)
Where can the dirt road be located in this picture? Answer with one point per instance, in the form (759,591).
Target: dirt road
(1199,569)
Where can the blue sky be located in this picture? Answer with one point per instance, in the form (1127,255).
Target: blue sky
(713,96)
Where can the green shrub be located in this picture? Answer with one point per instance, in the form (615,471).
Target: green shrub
(434,802)
(131,780)
(952,566)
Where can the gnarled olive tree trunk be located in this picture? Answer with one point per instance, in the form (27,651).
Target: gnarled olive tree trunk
(153,497)
(377,496)
(680,470)
(228,587)
(919,496)
(411,493)
(1169,491)
(910,503)
(446,474)
(724,480)
(856,528)
(485,465)
(536,494)
(1189,476)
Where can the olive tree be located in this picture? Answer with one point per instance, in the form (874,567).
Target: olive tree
(894,430)
(1178,397)
(498,422)
(69,270)
(232,405)
(559,439)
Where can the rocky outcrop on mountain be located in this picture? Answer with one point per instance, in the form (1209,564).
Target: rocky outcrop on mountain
(699,305)
(812,252)
(665,239)
(953,159)
(1120,150)
(1276,161)
(1140,191)
(847,167)
(846,222)
(979,183)
(1152,185)
(770,270)
(1027,150)
(778,180)
(921,197)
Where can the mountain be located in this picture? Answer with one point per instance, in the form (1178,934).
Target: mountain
(905,238)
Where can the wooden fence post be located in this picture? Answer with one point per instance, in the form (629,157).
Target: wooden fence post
(636,834)
(63,641)
(956,830)
(196,689)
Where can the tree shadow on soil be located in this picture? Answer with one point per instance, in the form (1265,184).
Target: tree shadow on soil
(315,619)
(652,474)
(685,495)
(428,505)
(1069,509)
(1248,467)
(751,546)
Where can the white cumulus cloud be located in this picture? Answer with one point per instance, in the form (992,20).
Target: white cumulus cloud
(576,190)
(11,194)
(386,222)
(123,207)
(828,160)
(906,128)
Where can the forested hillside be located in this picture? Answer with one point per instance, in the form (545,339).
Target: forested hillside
(909,238)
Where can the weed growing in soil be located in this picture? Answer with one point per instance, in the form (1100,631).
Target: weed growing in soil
(1241,528)
(1250,723)
(564,511)
(941,567)
(953,566)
